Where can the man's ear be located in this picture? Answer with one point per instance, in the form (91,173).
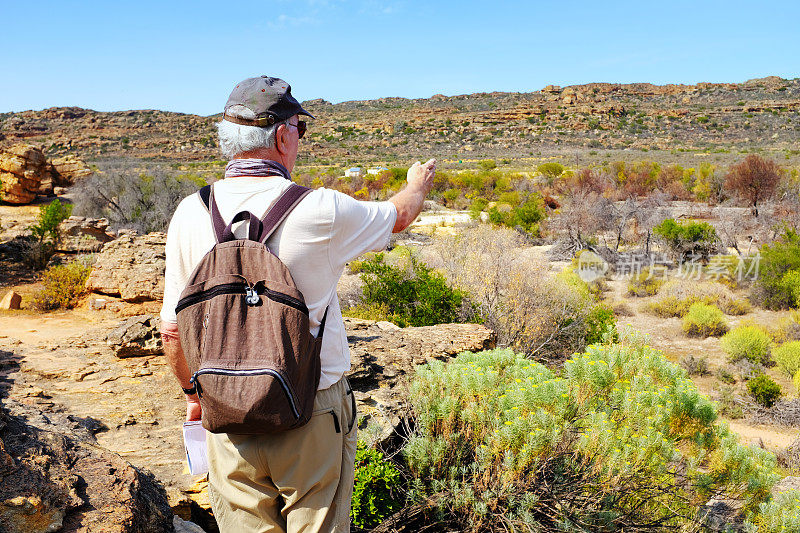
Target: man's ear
(281,138)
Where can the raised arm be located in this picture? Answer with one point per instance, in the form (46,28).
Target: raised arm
(409,201)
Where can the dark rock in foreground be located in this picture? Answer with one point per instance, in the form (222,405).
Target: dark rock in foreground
(53,477)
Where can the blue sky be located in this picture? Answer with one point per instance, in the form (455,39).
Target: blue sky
(187,56)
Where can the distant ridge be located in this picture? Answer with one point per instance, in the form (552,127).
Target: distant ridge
(757,114)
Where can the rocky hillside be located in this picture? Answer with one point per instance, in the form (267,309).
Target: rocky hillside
(761,114)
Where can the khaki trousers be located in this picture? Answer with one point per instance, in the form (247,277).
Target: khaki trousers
(296,481)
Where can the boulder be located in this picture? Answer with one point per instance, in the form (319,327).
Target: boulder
(136,336)
(54,477)
(131,267)
(23,174)
(383,356)
(67,170)
(84,235)
(11,300)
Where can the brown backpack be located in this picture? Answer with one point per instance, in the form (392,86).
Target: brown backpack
(244,329)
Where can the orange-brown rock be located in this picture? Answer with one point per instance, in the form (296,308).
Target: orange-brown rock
(12,300)
(23,174)
(68,169)
(131,267)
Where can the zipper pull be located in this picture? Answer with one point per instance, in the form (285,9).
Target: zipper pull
(251,296)
(196,384)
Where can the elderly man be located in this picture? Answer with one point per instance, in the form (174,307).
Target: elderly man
(300,479)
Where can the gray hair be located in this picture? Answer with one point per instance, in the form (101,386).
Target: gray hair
(237,138)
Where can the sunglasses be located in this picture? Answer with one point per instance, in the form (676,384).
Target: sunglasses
(301,128)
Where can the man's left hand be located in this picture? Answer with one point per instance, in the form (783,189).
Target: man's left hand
(193,409)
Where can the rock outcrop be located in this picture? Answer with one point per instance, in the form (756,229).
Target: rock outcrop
(131,267)
(68,169)
(23,171)
(84,235)
(136,336)
(53,477)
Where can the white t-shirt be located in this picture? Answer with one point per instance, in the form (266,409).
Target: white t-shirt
(326,230)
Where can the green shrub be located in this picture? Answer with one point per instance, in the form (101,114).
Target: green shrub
(776,284)
(688,239)
(46,235)
(525,216)
(644,284)
(790,285)
(704,320)
(787,355)
(375,492)
(417,296)
(599,322)
(551,171)
(778,515)
(621,439)
(63,285)
(764,390)
(449,196)
(487,164)
(50,217)
(747,342)
(477,206)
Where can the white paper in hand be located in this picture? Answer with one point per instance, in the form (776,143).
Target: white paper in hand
(194,440)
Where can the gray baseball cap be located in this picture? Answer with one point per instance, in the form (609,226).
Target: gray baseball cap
(262,101)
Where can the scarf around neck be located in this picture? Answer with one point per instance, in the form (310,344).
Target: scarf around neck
(256,167)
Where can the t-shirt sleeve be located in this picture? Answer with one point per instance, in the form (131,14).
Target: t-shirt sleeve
(358,227)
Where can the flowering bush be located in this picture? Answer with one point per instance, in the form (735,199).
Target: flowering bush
(778,515)
(619,440)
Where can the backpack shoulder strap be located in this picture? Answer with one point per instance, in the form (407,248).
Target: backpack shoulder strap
(281,209)
(207,197)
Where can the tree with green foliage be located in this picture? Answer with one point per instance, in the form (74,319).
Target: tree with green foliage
(525,216)
(691,239)
(779,272)
(50,217)
(46,234)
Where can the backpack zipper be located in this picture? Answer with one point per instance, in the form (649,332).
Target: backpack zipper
(255,372)
(240,288)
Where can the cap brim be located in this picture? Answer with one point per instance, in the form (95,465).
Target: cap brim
(304,112)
